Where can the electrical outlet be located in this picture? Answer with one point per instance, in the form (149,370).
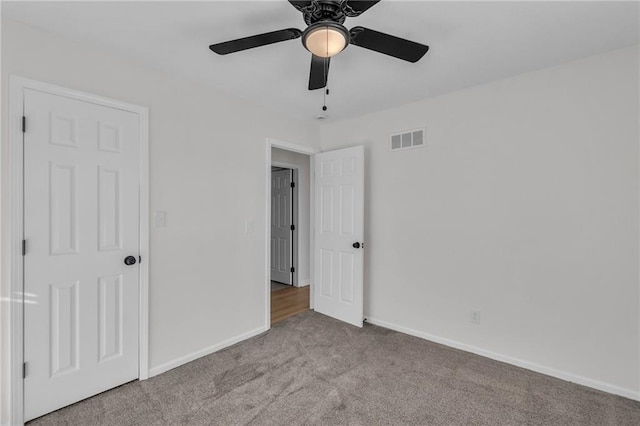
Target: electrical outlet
(474,317)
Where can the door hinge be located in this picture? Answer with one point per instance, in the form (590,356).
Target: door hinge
(24,124)
(24,247)
(293,184)
(24,370)
(293,269)
(293,227)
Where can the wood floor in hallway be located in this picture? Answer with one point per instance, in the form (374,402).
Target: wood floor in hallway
(288,302)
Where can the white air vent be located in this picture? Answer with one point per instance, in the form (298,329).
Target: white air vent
(409,139)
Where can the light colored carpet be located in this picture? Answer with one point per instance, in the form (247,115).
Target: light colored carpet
(311,369)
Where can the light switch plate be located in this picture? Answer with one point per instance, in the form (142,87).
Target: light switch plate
(248,226)
(160,219)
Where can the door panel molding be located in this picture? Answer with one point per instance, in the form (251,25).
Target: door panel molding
(13,237)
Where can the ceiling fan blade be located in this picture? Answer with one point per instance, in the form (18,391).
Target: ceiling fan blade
(353,8)
(319,72)
(255,41)
(388,44)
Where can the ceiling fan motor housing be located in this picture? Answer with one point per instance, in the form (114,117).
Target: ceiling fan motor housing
(324,10)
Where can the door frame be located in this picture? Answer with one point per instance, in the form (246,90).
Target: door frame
(295,204)
(13,241)
(301,149)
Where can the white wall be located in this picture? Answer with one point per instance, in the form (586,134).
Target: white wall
(207,162)
(524,205)
(301,161)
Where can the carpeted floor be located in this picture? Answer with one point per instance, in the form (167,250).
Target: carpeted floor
(311,369)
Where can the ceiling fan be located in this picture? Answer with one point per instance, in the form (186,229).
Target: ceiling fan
(325,36)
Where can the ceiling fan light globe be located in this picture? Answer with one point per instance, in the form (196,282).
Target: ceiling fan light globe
(325,40)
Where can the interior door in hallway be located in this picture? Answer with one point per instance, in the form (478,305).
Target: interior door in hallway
(281,221)
(339,233)
(81,273)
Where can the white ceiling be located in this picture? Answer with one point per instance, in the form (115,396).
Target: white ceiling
(470,43)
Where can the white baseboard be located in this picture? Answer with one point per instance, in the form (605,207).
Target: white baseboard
(304,283)
(605,387)
(162,368)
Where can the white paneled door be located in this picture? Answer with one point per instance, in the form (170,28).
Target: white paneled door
(339,234)
(281,221)
(81,273)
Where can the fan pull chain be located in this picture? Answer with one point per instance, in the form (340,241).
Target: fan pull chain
(324,106)
(324,70)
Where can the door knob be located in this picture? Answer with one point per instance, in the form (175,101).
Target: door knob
(130,260)
(356,245)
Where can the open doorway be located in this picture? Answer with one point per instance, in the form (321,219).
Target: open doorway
(336,232)
(290,198)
